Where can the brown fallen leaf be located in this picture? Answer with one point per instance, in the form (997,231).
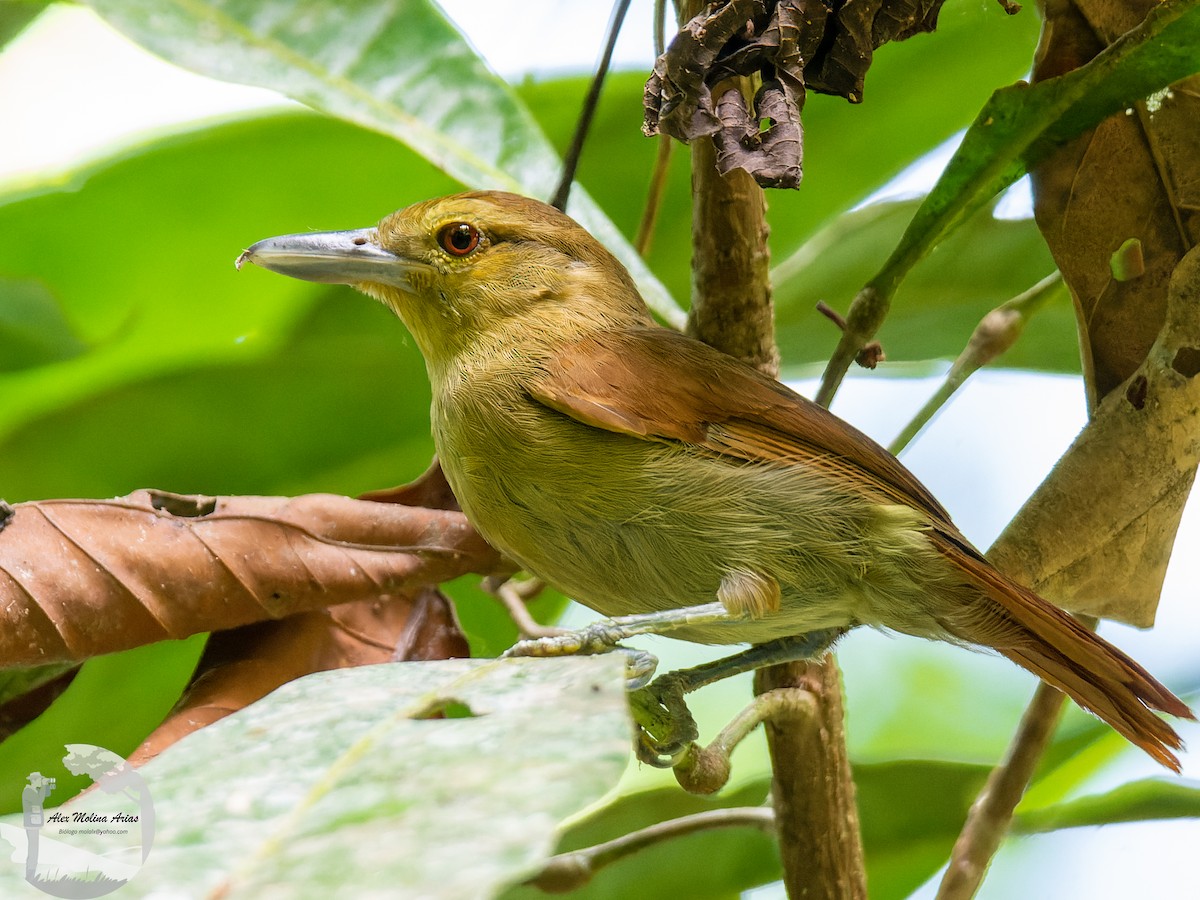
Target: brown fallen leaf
(244,664)
(83,577)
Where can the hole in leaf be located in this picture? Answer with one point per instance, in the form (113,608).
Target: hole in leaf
(1136,392)
(447,708)
(1187,362)
(186,507)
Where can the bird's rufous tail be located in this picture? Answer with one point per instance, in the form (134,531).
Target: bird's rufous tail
(1051,644)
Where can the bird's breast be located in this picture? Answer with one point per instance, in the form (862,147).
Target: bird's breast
(628,525)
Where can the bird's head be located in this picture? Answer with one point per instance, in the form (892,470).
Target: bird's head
(469,269)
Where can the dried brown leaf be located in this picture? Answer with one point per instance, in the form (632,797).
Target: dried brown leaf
(1136,176)
(431,490)
(677,100)
(1120,210)
(1097,535)
(789,44)
(772,157)
(244,664)
(82,577)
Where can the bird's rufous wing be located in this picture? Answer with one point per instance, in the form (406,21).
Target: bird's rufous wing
(657,384)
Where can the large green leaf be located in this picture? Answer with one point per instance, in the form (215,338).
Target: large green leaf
(911,812)
(137,256)
(1020,124)
(1137,801)
(398,67)
(344,784)
(113,702)
(33,329)
(982,265)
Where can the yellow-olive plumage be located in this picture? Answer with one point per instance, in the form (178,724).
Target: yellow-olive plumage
(637,469)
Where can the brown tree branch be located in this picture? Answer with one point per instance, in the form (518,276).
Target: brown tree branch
(813,789)
(731,287)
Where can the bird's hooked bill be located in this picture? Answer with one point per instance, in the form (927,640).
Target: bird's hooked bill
(331,257)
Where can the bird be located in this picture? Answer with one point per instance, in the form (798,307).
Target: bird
(640,471)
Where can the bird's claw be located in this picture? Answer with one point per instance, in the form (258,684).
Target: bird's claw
(666,728)
(598,638)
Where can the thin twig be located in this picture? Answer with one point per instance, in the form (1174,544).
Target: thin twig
(514,595)
(996,333)
(705,770)
(571,163)
(658,185)
(991,815)
(660,28)
(662,159)
(571,870)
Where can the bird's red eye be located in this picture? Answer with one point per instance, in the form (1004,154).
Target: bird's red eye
(458,238)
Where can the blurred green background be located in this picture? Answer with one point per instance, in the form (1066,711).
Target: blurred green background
(132,355)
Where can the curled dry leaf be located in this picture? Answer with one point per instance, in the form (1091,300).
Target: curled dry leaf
(1132,181)
(1120,210)
(244,664)
(792,45)
(82,577)
(771,157)
(430,490)
(1104,551)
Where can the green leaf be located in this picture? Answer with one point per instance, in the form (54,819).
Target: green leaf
(911,812)
(341,404)
(33,330)
(148,282)
(1020,124)
(985,263)
(1137,801)
(399,68)
(339,784)
(15,16)
(114,702)
(704,865)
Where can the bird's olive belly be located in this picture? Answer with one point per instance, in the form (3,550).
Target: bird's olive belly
(626,525)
